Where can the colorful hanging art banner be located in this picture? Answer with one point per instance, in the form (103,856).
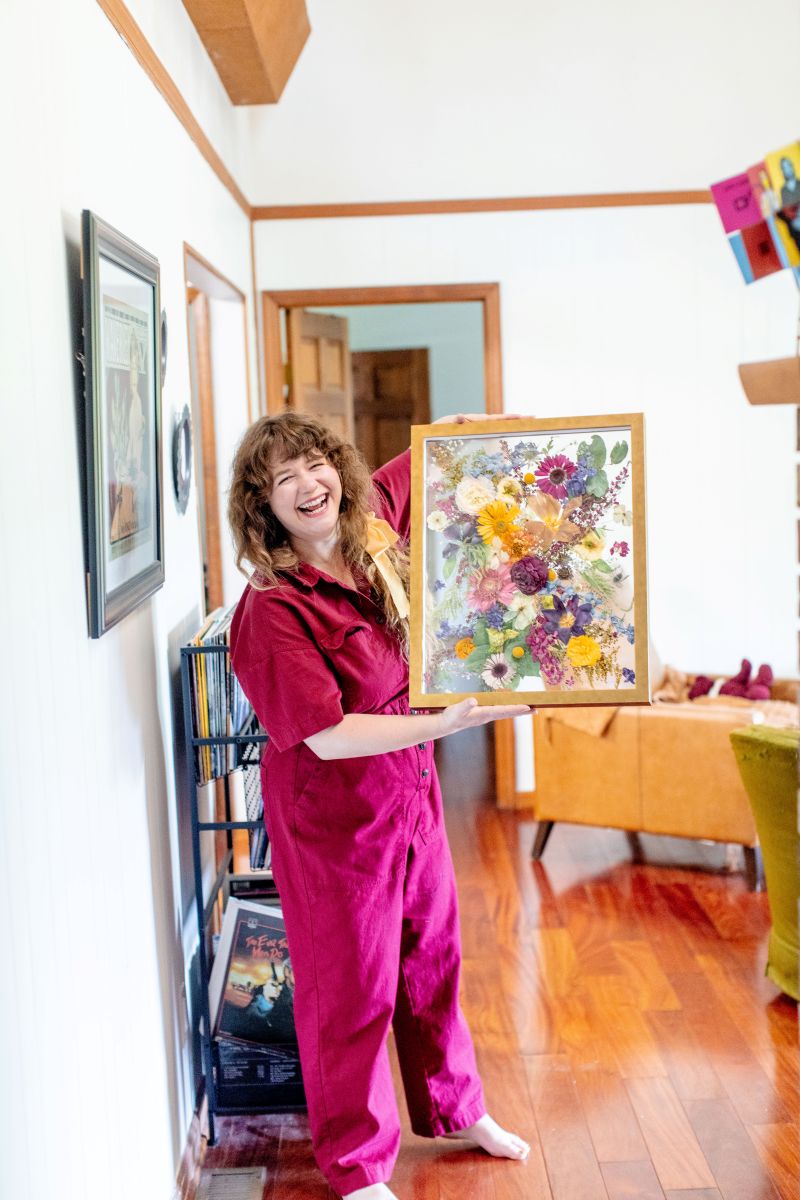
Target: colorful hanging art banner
(760,212)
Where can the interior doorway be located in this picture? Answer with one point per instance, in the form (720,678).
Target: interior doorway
(319,377)
(221,404)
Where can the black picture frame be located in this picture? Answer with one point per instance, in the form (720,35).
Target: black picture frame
(122,359)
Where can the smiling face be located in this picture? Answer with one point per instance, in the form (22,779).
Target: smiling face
(305,497)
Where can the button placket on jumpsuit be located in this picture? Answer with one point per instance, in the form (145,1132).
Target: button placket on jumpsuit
(365,876)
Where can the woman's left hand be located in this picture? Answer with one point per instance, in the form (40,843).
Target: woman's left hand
(462,418)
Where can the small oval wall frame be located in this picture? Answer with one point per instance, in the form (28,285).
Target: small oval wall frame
(182,458)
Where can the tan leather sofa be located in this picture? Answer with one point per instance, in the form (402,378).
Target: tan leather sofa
(666,768)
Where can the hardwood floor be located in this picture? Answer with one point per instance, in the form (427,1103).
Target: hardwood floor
(621,1017)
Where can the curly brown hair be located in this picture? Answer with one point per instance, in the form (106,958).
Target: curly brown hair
(260,539)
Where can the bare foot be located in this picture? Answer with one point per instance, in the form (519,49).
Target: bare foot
(375,1191)
(494,1140)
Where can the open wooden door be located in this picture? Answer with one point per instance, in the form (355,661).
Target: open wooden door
(390,394)
(320,377)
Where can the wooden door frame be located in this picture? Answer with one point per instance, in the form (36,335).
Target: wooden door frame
(487,294)
(203,277)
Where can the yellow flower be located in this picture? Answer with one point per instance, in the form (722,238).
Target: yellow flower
(529,478)
(497,638)
(464,648)
(518,652)
(591,546)
(496,519)
(551,574)
(583,651)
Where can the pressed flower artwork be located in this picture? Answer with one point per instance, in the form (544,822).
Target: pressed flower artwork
(528,562)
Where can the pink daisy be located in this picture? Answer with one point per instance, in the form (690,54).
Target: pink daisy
(552,474)
(492,586)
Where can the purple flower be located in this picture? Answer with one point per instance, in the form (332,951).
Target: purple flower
(567,619)
(495,616)
(576,484)
(529,574)
(628,675)
(462,531)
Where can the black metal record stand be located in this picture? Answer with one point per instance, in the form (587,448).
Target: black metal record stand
(250,734)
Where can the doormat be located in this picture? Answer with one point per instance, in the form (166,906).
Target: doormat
(232,1183)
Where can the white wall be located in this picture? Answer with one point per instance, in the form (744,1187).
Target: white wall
(168,28)
(96,1086)
(420,100)
(617,309)
(452,333)
(624,310)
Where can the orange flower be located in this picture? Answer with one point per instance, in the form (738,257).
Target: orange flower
(553,524)
(516,544)
(464,648)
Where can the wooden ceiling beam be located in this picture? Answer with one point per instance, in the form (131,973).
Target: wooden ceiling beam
(253,44)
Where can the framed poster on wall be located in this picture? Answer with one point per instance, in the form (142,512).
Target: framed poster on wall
(122,352)
(528,562)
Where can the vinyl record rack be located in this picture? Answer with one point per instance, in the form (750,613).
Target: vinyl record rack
(250,734)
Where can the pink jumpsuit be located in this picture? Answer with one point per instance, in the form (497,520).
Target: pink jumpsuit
(363,867)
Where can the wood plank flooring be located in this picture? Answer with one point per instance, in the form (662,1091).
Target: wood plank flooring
(621,1017)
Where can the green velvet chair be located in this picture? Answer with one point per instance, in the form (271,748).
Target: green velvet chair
(767,760)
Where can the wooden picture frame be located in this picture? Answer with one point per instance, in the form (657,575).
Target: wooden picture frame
(528,562)
(123,367)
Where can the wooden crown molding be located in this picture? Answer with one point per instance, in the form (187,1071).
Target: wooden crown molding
(404,208)
(143,52)
(253,44)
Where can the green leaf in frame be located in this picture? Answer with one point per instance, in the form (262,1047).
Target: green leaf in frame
(597,451)
(598,484)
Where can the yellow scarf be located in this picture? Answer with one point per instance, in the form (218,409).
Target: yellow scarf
(380,536)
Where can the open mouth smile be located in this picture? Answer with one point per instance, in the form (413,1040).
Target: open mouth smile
(313,508)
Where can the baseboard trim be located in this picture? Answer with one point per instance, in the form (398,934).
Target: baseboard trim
(194,1152)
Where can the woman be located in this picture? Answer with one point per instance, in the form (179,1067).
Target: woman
(319,642)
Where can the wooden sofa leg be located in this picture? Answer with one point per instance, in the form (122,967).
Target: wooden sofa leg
(754,868)
(543,831)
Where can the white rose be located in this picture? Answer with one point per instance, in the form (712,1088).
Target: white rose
(474,494)
(437,521)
